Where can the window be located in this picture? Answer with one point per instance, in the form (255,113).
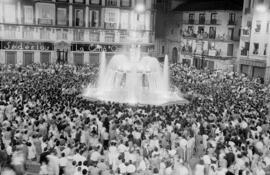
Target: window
(245,49)
(256,49)
(79,1)
(200,30)
(232,19)
(94,18)
(111,18)
(61,34)
(202,18)
(265,49)
(61,16)
(28,33)
(78,35)
(109,37)
(45,33)
(213,18)
(111,3)
(163,49)
(190,29)
(125,3)
(258,26)
(124,36)
(95,2)
(28,15)
(124,20)
(140,25)
(10,13)
(79,17)
(191,18)
(212,32)
(46,13)
(267,26)
(10,31)
(260,1)
(94,36)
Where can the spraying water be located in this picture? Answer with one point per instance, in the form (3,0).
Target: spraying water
(133,80)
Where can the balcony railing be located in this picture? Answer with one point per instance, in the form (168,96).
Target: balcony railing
(232,22)
(11,32)
(201,21)
(205,36)
(246,32)
(244,52)
(45,21)
(191,21)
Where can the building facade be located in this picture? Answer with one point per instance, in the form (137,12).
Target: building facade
(168,27)
(72,31)
(210,37)
(253,59)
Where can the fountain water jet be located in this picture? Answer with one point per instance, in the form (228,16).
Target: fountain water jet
(133,80)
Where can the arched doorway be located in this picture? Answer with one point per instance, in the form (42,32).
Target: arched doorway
(174,55)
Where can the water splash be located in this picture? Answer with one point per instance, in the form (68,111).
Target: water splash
(133,80)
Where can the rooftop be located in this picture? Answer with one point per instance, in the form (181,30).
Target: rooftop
(208,5)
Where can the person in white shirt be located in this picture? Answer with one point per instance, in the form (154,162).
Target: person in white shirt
(131,168)
(63,161)
(123,167)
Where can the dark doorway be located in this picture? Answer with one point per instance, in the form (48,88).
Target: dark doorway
(62,56)
(28,58)
(45,57)
(174,55)
(11,58)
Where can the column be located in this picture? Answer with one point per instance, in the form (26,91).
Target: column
(19,57)
(70,15)
(86,16)
(2,57)
(19,12)
(37,56)
(250,71)
(85,57)
(1,11)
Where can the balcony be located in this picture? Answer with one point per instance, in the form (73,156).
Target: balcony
(213,22)
(191,21)
(232,22)
(45,21)
(111,3)
(187,50)
(244,52)
(201,21)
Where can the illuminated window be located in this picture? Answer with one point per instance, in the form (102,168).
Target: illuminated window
(124,20)
(9,13)
(61,16)
(28,15)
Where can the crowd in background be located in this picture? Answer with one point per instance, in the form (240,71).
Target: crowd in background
(224,129)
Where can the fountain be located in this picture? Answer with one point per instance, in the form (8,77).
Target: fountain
(133,80)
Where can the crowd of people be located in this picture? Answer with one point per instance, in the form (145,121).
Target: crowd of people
(224,129)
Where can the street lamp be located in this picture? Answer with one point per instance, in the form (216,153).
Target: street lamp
(140,8)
